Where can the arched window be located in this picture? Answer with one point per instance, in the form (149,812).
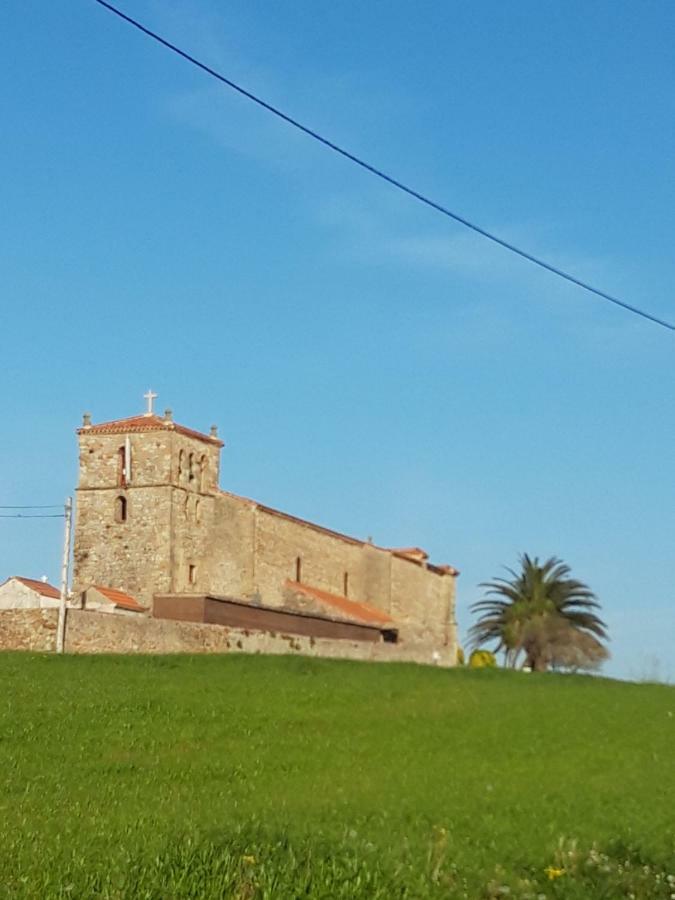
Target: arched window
(203,473)
(191,468)
(181,466)
(192,574)
(198,511)
(121,509)
(121,467)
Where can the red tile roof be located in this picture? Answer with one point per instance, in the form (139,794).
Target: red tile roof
(416,554)
(119,598)
(420,557)
(446,570)
(136,424)
(41,587)
(363,613)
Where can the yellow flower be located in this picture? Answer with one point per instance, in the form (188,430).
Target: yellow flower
(248,859)
(552,872)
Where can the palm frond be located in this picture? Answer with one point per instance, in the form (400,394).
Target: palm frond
(540,609)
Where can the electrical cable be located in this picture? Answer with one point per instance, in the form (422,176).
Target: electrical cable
(383,175)
(30,516)
(47,506)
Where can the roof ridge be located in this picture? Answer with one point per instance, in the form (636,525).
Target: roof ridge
(36,584)
(145,422)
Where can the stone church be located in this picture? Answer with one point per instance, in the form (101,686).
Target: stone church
(153,523)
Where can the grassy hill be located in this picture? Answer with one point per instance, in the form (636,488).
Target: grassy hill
(268,777)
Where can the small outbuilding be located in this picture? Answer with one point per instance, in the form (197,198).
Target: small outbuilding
(28,593)
(104,599)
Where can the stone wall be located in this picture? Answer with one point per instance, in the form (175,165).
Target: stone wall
(131,556)
(423,603)
(419,599)
(183,535)
(325,558)
(169,498)
(28,629)
(92,632)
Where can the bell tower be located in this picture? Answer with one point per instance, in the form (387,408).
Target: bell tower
(145,495)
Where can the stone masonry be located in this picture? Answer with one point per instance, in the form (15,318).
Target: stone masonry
(151,519)
(98,632)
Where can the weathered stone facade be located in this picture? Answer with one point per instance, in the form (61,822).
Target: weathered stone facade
(28,629)
(99,632)
(151,519)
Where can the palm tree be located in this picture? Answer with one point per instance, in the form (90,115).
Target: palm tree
(542,612)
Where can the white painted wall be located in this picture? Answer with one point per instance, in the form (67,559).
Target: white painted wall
(16,595)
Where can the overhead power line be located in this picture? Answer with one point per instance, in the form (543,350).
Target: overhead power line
(48,506)
(32,516)
(383,175)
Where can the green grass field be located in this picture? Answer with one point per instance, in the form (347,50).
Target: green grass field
(252,777)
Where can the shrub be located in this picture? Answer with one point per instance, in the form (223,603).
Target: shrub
(482,659)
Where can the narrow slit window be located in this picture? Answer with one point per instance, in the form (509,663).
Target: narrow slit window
(203,474)
(298,569)
(121,509)
(191,468)
(345,584)
(192,574)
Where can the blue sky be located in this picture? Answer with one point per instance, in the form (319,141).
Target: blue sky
(371,365)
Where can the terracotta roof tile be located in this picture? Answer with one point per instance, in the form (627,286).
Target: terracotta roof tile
(363,613)
(119,598)
(445,570)
(416,554)
(41,587)
(137,424)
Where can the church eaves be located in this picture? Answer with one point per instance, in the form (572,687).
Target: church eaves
(145,423)
(413,555)
(40,587)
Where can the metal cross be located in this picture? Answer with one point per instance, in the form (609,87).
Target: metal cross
(150,396)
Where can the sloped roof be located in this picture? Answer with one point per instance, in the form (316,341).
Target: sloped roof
(353,610)
(119,598)
(137,424)
(40,587)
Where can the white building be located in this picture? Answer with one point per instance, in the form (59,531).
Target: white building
(28,593)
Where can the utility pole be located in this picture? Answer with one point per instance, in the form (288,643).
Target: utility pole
(61,628)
